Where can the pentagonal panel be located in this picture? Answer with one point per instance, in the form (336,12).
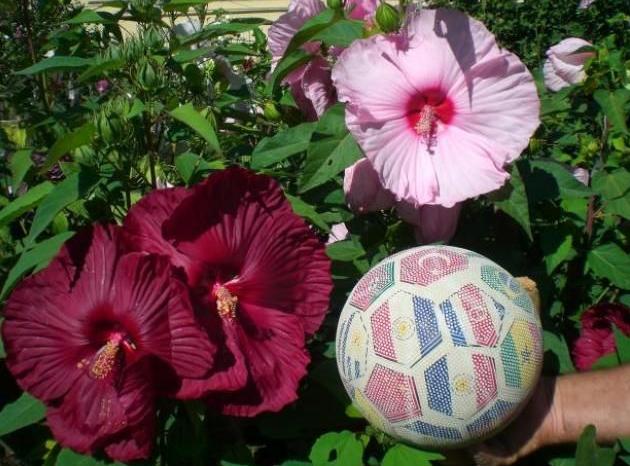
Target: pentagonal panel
(429,265)
(352,347)
(393,393)
(372,285)
(491,419)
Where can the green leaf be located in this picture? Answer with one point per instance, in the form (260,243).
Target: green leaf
(183,5)
(23,412)
(557,245)
(606,361)
(513,201)
(562,462)
(38,256)
(90,16)
(19,165)
(341,33)
(612,103)
(611,262)
(403,455)
(558,346)
(274,149)
(57,63)
(332,149)
(307,211)
(586,452)
(314,25)
(74,187)
(68,457)
(285,66)
(296,463)
(186,56)
(623,345)
(3,353)
(345,251)
(190,165)
(218,29)
(546,179)
(346,449)
(67,143)
(25,202)
(611,185)
(98,69)
(191,117)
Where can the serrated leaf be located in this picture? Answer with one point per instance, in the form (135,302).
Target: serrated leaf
(39,255)
(331,150)
(23,412)
(191,117)
(514,201)
(19,165)
(611,262)
(67,143)
(557,245)
(307,211)
(343,446)
(274,149)
(612,103)
(611,185)
(558,346)
(74,187)
(57,63)
(344,251)
(403,455)
(547,179)
(340,33)
(186,56)
(25,202)
(285,66)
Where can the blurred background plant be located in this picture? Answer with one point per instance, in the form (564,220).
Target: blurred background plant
(99,107)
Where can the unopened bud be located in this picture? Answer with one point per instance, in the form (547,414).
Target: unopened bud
(387,18)
(271,112)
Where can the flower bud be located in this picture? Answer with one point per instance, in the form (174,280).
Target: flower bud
(335,4)
(387,18)
(271,112)
(146,76)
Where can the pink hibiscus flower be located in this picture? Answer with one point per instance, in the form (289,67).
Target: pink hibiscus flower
(596,337)
(96,336)
(310,84)
(259,279)
(438,109)
(365,193)
(564,65)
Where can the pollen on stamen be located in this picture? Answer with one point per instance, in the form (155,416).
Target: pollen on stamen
(425,126)
(226,303)
(105,360)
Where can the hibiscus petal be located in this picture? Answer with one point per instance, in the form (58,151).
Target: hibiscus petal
(361,9)
(372,96)
(364,191)
(273,346)
(432,222)
(43,328)
(284,28)
(501,104)
(317,85)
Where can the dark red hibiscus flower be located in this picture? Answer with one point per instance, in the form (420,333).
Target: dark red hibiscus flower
(259,279)
(596,337)
(97,335)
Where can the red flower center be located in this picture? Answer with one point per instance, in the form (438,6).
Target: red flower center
(426,109)
(108,358)
(226,302)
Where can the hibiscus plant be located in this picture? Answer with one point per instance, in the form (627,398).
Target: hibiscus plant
(187,198)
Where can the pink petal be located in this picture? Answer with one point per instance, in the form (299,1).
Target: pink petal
(317,85)
(362,9)
(338,232)
(364,191)
(284,28)
(432,222)
(372,96)
(500,105)
(565,65)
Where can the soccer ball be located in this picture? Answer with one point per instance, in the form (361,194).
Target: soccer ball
(439,346)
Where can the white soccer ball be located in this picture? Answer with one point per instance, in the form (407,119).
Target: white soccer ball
(439,346)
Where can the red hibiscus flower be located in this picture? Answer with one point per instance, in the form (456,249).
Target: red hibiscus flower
(259,279)
(596,337)
(95,335)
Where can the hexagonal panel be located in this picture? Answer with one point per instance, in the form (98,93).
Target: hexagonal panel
(521,354)
(430,265)
(372,285)
(507,285)
(461,383)
(472,317)
(491,418)
(393,393)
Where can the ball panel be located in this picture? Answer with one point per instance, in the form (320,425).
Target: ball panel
(372,285)
(393,393)
(429,265)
